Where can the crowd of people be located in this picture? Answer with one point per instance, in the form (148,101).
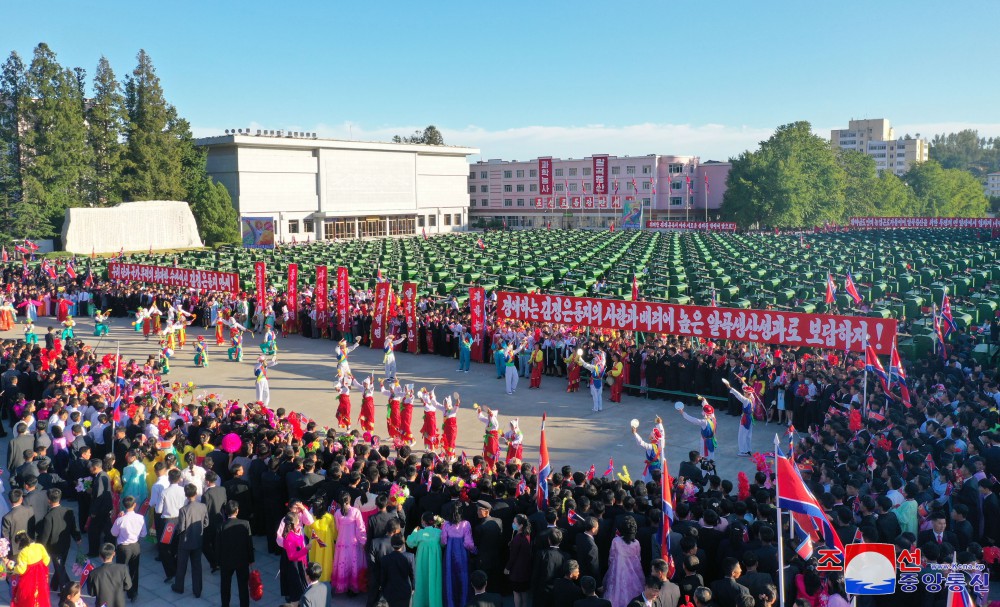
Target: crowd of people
(348,514)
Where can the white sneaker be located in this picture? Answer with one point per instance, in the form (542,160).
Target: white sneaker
(509,393)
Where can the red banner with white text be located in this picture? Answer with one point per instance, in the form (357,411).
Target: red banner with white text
(711,226)
(175,277)
(545,176)
(600,175)
(477,320)
(343,299)
(705,322)
(293,291)
(260,282)
(410,315)
(322,296)
(972,223)
(380,318)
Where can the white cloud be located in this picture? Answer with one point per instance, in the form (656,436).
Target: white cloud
(709,141)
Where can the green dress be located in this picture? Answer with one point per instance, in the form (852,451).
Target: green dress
(427,571)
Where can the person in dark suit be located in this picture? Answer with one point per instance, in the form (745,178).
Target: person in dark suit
(488,537)
(938,533)
(753,580)
(961,526)
(22,441)
(396,574)
(586,549)
(19,518)
(650,596)
(670,593)
(235,555)
(726,591)
(690,470)
(215,499)
(191,525)
(317,594)
(377,550)
(109,582)
(55,531)
(480,598)
(548,566)
(565,590)
(588,585)
(101,506)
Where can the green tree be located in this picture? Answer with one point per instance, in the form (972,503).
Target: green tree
(968,151)
(13,96)
(793,180)
(55,165)
(218,221)
(944,192)
(429,136)
(152,168)
(106,119)
(897,198)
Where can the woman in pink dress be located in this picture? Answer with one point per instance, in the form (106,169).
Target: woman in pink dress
(624,580)
(349,565)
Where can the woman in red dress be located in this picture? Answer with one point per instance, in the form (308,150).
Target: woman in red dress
(30,583)
(429,429)
(343,387)
(572,373)
(406,416)
(449,433)
(367,418)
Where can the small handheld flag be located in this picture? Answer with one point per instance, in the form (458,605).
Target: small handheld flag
(544,469)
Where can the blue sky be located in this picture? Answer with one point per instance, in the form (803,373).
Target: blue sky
(523,79)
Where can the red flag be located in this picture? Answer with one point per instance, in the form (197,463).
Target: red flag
(611,468)
(858,538)
(949,325)
(831,289)
(794,496)
(481,244)
(87,570)
(424,231)
(70,271)
(31,245)
(635,288)
(706,183)
(544,469)
(612,228)
(591,472)
(852,290)
(5,254)
(898,375)
(22,250)
(49,270)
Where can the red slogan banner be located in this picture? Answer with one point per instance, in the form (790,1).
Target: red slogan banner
(410,315)
(545,176)
(343,299)
(989,223)
(600,175)
(321,296)
(175,277)
(477,324)
(705,322)
(293,291)
(711,226)
(381,316)
(260,282)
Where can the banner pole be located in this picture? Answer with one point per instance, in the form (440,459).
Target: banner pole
(780,531)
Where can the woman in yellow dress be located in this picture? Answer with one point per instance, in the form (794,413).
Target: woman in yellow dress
(323,538)
(32,573)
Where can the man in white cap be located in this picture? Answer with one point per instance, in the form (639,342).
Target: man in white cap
(389,354)
(260,372)
(341,352)
(707,424)
(745,435)
(596,368)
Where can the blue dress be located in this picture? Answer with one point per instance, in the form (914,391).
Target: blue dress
(458,542)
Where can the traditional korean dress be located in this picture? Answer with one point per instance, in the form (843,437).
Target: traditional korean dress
(427,567)
(349,564)
(323,533)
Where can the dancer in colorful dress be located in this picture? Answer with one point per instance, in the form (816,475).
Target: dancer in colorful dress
(236,347)
(515,442)
(449,432)
(491,434)
(537,364)
(7,312)
(341,353)
(67,332)
(707,424)
(269,345)
(200,352)
(616,378)
(343,388)
(406,415)
(260,373)
(183,320)
(101,323)
(389,354)
(596,368)
(395,392)
(429,429)
(367,417)
(221,321)
(30,308)
(510,358)
(654,463)
(154,317)
(572,372)
(745,435)
(29,333)
(165,354)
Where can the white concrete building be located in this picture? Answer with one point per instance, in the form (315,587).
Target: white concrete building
(325,188)
(993,185)
(877,139)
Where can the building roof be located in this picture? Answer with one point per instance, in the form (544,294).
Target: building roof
(308,142)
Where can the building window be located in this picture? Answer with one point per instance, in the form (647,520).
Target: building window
(458,219)
(420,220)
(432,221)
(293,226)
(472,189)
(472,174)
(520,187)
(630,170)
(645,185)
(586,171)
(676,168)
(484,188)
(532,187)
(508,188)
(447,219)
(647,170)
(484,203)
(507,202)
(572,172)
(482,174)
(676,185)
(586,187)
(520,173)
(691,202)
(572,187)
(676,201)
(520,202)
(559,173)
(308,226)
(559,187)
(508,174)
(616,170)
(646,202)
(532,172)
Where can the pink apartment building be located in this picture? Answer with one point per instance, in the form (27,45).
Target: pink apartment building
(594,191)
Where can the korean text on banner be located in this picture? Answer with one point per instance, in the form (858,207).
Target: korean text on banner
(600,175)
(711,226)
(410,315)
(545,176)
(322,297)
(343,299)
(381,316)
(705,322)
(293,290)
(175,277)
(477,323)
(971,223)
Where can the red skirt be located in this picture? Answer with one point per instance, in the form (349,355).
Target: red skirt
(392,422)
(450,435)
(367,418)
(220,339)
(574,378)
(147,326)
(430,430)
(405,421)
(536,375)
(514,452)
(344,411)
(491,447)
(429,334)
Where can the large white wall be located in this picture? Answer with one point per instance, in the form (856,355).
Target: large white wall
(362,181)
(132,226)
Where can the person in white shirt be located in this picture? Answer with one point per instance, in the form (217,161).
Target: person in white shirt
(193,474)
(171,502)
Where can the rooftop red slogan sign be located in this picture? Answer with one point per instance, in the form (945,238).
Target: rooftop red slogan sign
(545,176)
(988,223)
(767,326)
(600,175)
(175,277)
